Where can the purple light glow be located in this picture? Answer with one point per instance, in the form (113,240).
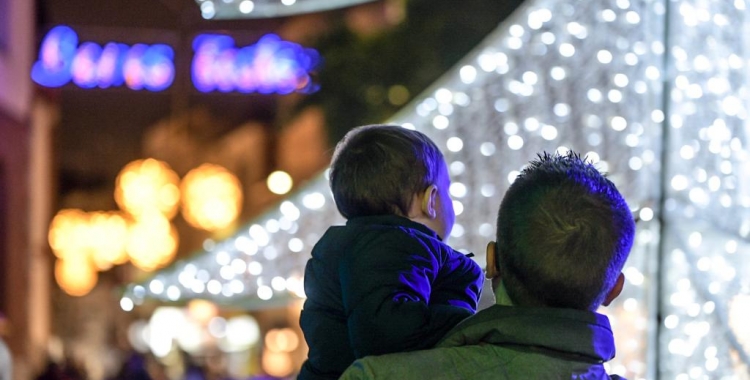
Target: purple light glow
(88,66)
(272,65)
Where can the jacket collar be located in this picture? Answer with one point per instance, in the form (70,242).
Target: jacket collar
(568,331)
(392,220)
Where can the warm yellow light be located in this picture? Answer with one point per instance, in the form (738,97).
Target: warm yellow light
(107,238)
(281,340)
(68,233)
(98,237)
(279,182)
(148,185)
(211,197)
(202,311)
(278,364)
(76,276)
(152,242)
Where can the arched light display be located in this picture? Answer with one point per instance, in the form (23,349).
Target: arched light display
(588,76)
(271,65)
(90,65)
(211,197)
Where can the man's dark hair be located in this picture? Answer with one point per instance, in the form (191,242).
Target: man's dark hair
(564,232)
(377,170)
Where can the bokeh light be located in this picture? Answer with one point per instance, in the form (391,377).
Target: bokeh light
(279,182)
(145,185)
(211,197)
(153,241)
(75,275)
(169,325)
(278,364)
(282,340)
(202,311)
(99,237)
(108,234)
(242,332)
(68,233)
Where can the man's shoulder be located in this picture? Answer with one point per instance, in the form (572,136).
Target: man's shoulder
(472,361)
(405,365)
(437,363)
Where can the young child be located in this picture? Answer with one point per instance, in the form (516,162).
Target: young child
(385,282)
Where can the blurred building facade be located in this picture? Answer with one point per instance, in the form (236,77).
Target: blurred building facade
(25,192)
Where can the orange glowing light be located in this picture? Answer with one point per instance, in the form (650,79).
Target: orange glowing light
(76,276)
(211,197)
(107,237)
(277,364)
(148,184)
(98,237)
(281,340)
(68,233)
(152,242)
(202,311)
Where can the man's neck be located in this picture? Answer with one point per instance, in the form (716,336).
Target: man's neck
(501,296)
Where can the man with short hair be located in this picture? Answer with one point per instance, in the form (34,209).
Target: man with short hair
(563,234)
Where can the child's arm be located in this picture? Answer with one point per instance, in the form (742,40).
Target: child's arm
(386,286)
(459,282)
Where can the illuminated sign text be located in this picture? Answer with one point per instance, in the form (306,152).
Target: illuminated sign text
(140,66)
(270,66)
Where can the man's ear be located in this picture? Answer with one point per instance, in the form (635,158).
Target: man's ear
(615,290)
(429,202)
(491,271)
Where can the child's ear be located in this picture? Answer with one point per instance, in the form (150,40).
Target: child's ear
(491,271)
(615,290)
(429,202)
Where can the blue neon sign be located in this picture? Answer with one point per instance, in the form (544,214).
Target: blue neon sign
(269,66)
(140,66)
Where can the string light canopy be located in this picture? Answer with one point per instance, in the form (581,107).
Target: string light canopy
(239,9)
(662,111)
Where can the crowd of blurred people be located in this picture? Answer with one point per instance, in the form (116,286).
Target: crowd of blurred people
(138,366)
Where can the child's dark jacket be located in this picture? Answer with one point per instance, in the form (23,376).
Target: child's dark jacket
(379,285)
